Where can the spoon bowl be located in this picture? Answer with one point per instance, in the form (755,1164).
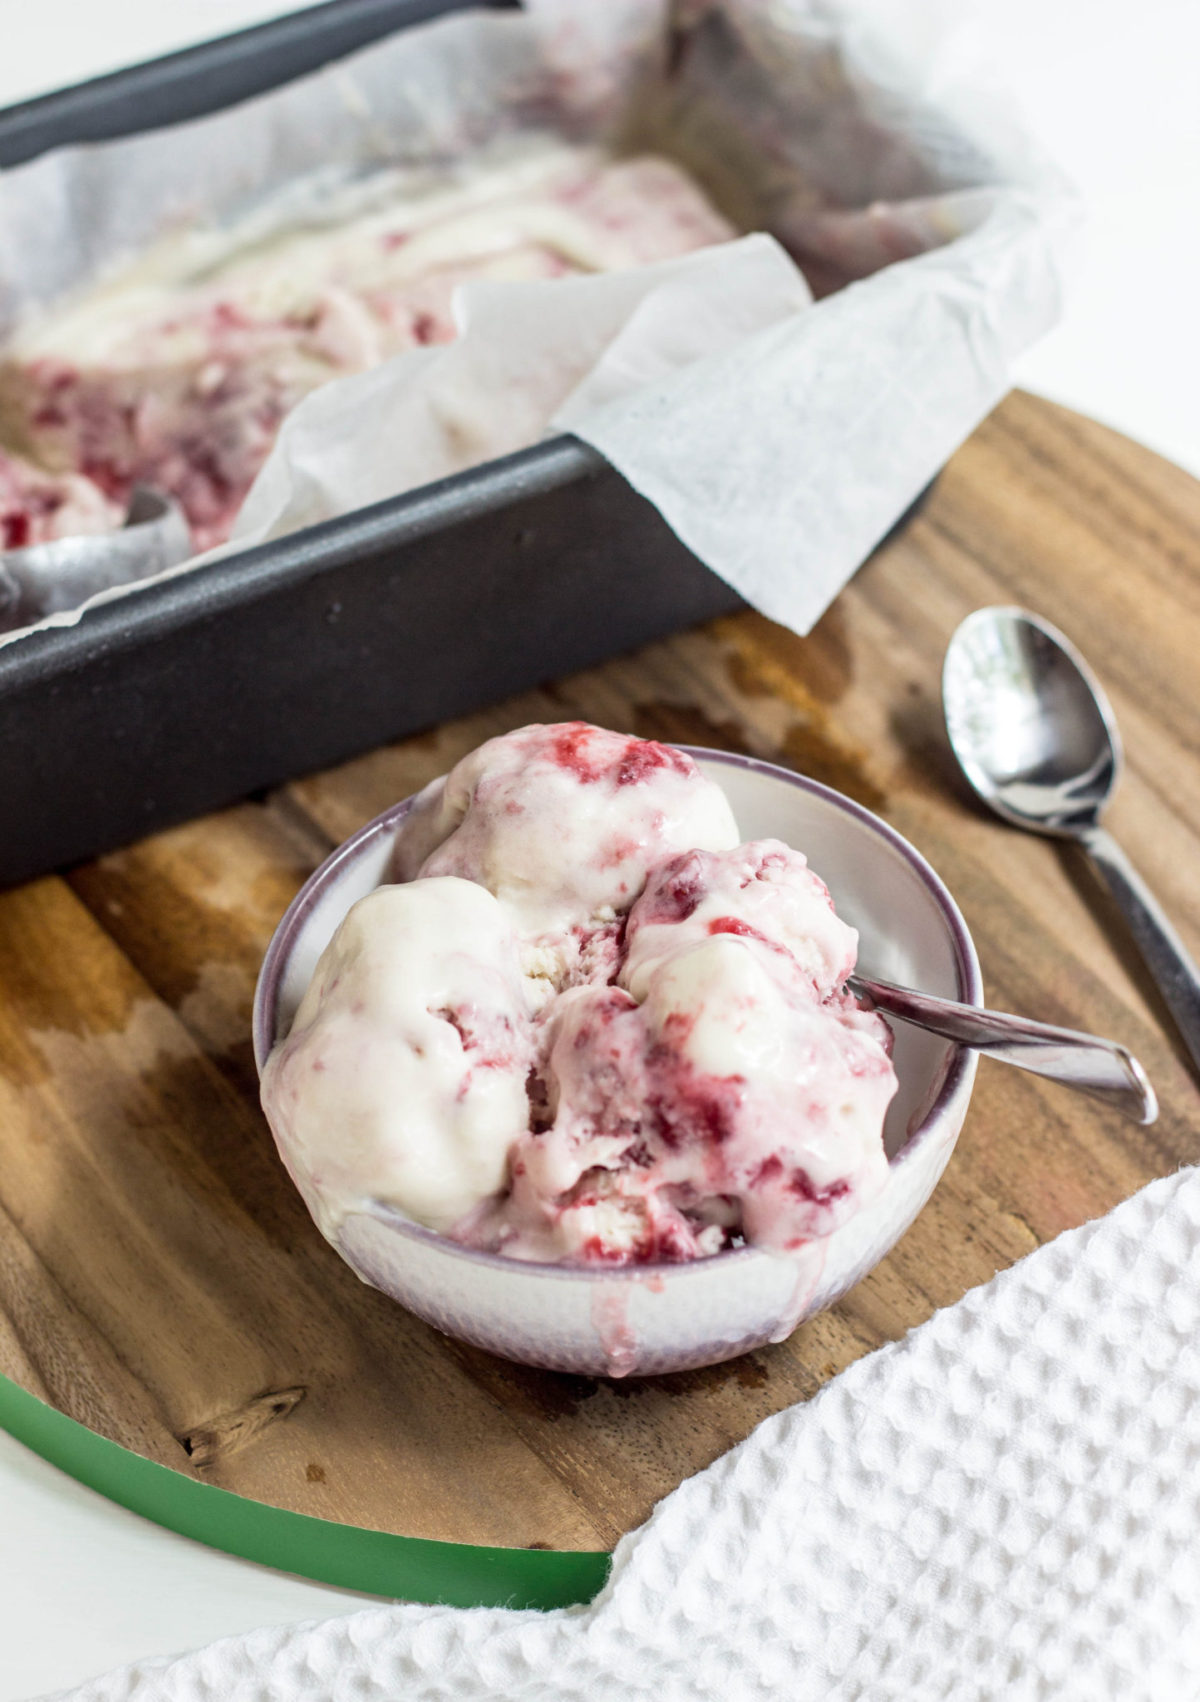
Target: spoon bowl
(1030,724)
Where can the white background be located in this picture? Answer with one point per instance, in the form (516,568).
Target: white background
(1113,90)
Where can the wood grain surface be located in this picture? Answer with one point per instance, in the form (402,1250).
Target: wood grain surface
(159,1278)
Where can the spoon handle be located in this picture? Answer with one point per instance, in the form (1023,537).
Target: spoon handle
(1166,956)
(1100,1068)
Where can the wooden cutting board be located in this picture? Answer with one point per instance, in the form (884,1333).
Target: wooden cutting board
(160,1281)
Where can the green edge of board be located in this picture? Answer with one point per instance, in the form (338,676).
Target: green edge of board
(375,1562)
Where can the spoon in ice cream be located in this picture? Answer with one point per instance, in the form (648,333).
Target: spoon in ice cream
(1037,740)
(1100,1068)
(47,578)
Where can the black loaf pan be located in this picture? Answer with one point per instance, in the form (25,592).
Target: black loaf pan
(283,659)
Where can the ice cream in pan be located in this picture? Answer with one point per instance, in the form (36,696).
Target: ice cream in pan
(177,371)
(585,1024)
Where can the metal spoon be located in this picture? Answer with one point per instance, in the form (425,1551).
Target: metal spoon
(44,579)
(1099,1068)
(1037,739)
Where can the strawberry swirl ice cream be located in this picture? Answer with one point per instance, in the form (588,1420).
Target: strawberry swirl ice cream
(178,370)
(587,1026)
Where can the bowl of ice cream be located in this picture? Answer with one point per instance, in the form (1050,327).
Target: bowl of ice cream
(560,1056)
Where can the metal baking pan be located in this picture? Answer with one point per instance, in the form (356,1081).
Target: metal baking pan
(280,660)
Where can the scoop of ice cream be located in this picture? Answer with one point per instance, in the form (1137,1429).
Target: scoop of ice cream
(591,1180)
(563,823)
(790,1089)
(729,1101)
(403,1077)
(763,891)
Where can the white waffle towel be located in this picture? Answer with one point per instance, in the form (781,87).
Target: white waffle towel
(1003,1506)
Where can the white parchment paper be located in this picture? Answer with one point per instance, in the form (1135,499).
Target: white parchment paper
(779,437)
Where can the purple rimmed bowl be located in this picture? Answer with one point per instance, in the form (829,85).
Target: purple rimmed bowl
(656,1318)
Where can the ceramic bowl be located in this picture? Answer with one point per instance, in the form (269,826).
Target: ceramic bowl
(671,1317)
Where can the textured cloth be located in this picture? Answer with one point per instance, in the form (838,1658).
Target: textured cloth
(1004,1505)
